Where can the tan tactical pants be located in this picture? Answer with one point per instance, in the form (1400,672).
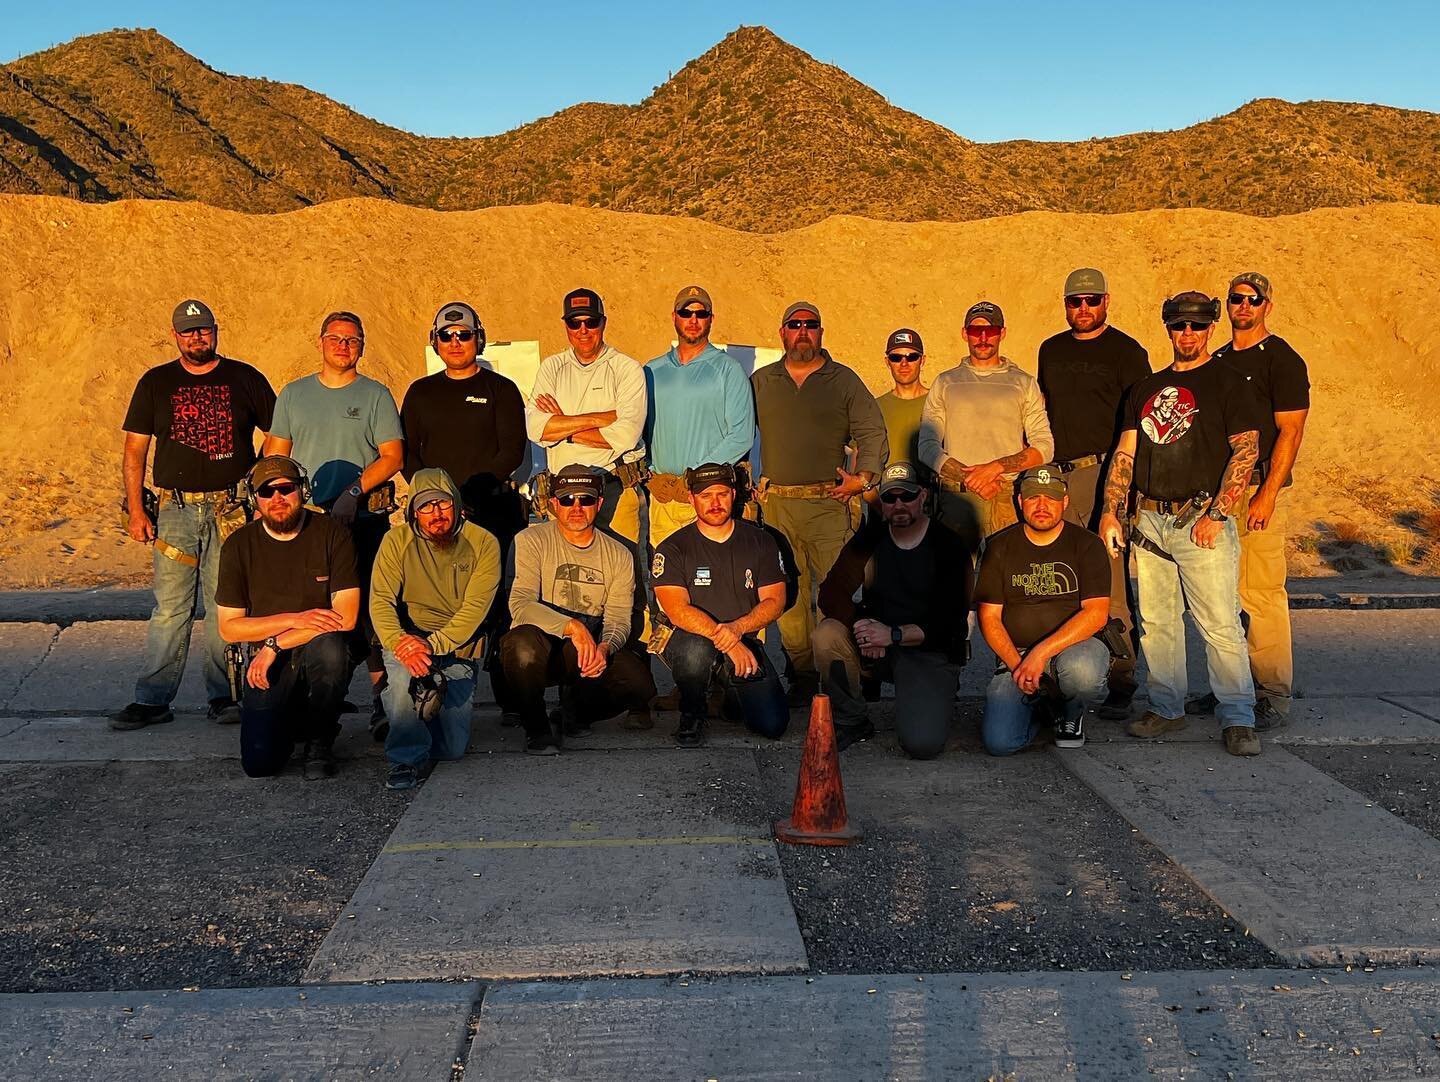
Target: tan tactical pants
(1266,604)
(817,530)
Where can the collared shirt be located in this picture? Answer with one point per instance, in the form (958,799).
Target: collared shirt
(612,381)
(701,411)
(804,430)
(976,415)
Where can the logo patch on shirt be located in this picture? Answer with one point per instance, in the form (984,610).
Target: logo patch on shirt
(477,401)
(353,411)
(1169,414)
(1047,579)
(702,576)
(749,579)
(657,566)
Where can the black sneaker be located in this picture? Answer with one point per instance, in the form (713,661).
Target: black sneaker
(379,723)
(541,745)
(402,776)
(1070,733)
(1205,704)
(846,735)
(690,733)
(1116,706)
(224,712)
(319,761)
(139,715)
(1267,717)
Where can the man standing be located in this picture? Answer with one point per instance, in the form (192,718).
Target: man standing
(810,408)
(984,422)
(1281,381)
(1043,594)
(288,587)
(570,609)
(903,405)
(700,411)
(435,578)
(720,582)
(202,410)
(344,429)
(1189,440)
(1084,374)
(909,626)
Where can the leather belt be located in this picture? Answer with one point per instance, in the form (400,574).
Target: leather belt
(1164,507)
(1081,463)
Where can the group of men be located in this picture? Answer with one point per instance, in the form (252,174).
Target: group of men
(830,534)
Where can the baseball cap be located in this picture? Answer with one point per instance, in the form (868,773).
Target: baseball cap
(1085,280)
(456,314)
(905,337)
(192,315)
(711,473)
(1043,480)
(801,306)
(583,302)
(428,495)
(275,468)
(577,478)
(1255,280)
(985,310)
(693,295)
(900,475)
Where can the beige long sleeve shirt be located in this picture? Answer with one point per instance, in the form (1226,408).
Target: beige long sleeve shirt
(976,415)
(612,381)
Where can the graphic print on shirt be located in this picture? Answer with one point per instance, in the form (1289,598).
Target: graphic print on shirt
(1047,579)
(203,418)
(1168,415)
(580,589)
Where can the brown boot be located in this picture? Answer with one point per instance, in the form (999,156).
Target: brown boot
(1150,725)
(1241,740)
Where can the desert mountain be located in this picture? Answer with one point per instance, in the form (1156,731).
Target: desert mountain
(755,134)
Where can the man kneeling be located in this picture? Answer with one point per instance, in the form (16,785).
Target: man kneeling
(288,585)
(1043,593)
(434,579)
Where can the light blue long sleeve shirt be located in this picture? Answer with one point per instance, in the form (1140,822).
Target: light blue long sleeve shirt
(699,412)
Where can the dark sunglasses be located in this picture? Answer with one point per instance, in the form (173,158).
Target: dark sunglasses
(576,322)
(584,500)
(1254,300)
(983,332)
(1090,300)
(282,488)
(695,313)
(897,495)
(802,324)
(1189,325)
(902,358)
(454,336)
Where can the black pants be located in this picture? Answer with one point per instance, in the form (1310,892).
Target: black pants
(532,661)
(302,704)
(366,533)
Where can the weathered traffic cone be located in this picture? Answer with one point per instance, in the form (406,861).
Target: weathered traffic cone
(818,817)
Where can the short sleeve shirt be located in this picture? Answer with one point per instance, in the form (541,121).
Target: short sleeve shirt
(1084,382)
(723,578)
(264,576)
(1041,586)
(1279,378)
(337,431)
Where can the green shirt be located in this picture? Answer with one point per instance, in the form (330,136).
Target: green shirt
(902,422)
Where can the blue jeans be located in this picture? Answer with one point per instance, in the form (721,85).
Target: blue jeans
(1207,582)
(1009,724)
(192,530)
(301,705)
(414,742)
(695,663)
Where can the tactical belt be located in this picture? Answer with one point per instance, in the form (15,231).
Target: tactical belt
(957,487)
(668,488)
(813,491)
(1164,507)
(224,495)
(1081,463)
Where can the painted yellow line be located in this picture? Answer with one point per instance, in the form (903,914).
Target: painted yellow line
(576,843)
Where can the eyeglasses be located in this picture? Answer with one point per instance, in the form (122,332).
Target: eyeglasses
(898,495)
(575,323)
(454,336)
(984,333)
(583,499)
(1189,325)
(436,507)
(198,332)
(695,313)
(280,488)
(1254,300)
(334,341)
(802,324)
(902,358)
(1089,300)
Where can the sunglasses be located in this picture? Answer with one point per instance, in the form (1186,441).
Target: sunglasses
(584,500)
(898,495)
(1089,300)
(1189,325)
(283,488)
(198,332)
(1254,300)
(577,322)
(695,313)
(985,333)
(902,358)
(802,324)
(454,336)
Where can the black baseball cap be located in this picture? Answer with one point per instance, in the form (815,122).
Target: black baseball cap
(576,478)
(905,337)
(192,315)
(711,473)
(583,302)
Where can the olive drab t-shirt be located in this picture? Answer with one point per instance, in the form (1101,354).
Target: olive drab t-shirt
(1278,376)
(1041,586)
(264,576)
(723,578)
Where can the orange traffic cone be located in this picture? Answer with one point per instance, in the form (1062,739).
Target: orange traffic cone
(818,817)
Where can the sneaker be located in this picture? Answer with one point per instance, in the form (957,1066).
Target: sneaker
(319,761)
(402,776)
(846,735)
(1116,706)
(139,715)
(1070,732)
(1241,740)
(1150,725)
(224,712)
(1267,717)
(1206,704)
(541,745)
(690,733)
(639,720)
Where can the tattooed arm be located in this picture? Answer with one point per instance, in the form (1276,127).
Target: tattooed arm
(1116,498)
(1244,450)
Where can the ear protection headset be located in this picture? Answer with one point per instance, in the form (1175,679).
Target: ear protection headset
(448,314)
(250,485)
(1192,305)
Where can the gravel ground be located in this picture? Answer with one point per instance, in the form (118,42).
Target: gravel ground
(971,864)
(168,875)
(1404,780)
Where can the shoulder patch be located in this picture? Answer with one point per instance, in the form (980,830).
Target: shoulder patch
(657,565)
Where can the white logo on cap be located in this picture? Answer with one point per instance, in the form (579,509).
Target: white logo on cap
(898,470)
(902,338)
(1043,476)
(191,310)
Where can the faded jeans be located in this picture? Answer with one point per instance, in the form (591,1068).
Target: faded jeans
(1009,724)
(414,742)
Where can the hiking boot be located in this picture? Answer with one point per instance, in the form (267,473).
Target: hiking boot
(1150,725)
(690,733)
(1070,732)
(846,735)
(224,712)
(139,715)
(1241,740)
(1267,717)
(541,744)
(638,720)
(1206,704)
(379,723)
(1116,706)
(402,776)
(319,761)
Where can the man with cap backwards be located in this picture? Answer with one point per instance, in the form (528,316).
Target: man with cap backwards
(909,626)
(435,578)
(1188,442)
(288,586)
(1281,381)
(1043,594)
(984,422)
(1084,374)
(571,614)
(344,429)
(720,582)
(810,407)
(202,411)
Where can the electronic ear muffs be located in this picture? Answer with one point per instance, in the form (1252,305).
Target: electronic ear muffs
(250,485)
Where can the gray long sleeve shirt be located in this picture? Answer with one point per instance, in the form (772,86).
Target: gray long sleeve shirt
(976,415)
(804,430)
(555,580)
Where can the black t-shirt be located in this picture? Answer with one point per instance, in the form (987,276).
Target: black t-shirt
(910,581)
(1084,383)
(264,576)
(722,578)
(1183,422)
(204,426)
(473,429)
(1277,375)
(1041,586)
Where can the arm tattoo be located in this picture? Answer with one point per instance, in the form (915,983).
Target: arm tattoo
(1244,450)
(1117,484)
(1016,462)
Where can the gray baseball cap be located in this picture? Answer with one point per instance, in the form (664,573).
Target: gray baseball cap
(987,310)
(457,314)
(192,315)
(801,306)
(900,475)
(1085,280)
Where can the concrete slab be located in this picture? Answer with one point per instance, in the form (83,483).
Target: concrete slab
(22,646)
(90,739)
(507,866)
(412,1031)
(1273,1025)
(1382,652)
(1318,722)
(1307,865)
(1427,706)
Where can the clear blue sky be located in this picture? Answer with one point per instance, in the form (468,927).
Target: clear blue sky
(1038,70)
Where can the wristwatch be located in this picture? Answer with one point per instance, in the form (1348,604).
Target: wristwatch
(271,642)
(356,491)
(1217,514)
(871,485)
(896,635)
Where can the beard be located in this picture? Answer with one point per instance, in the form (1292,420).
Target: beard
(284,521)
(202,353)
(802,354)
